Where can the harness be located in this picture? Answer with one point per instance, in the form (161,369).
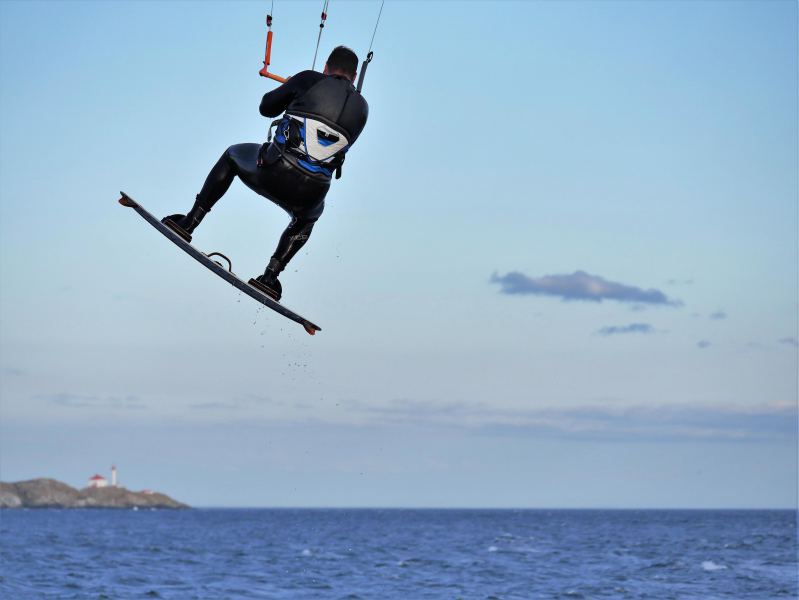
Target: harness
(315,147)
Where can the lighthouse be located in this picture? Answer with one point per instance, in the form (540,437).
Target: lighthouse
(113,476)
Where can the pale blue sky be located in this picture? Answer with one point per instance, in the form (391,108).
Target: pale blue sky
(650,145)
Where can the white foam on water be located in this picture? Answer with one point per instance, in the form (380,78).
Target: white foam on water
(709,565)
(306,552)
(492,548)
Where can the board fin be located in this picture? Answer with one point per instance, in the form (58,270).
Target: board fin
(126,200)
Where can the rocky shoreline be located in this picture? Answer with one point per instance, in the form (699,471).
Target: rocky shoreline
(49,493)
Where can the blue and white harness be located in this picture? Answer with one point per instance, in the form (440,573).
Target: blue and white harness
(317,148)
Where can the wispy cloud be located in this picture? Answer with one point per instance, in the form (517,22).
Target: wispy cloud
(601,421)
(718,315)
(11,372)
(85,401)
(246,401)
(631,328)
(790,341)
(424,409)
(579,286)
(699,423)
(216,405)
(702,344)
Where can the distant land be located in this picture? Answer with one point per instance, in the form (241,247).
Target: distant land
(49,493)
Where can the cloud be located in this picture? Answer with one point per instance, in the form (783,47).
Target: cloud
(229,405)
(607,422)
(83,401)
(676,422)
(790,341)
(579,286)
(703,344)
(11,372)
(718,315)
(241,402)
(631,328)
(405,408)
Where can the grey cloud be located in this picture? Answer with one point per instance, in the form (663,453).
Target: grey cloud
(215,405)
(703,344)
(718,315)
(631,328)
(790,341)
(258,399)
(239,402)
(420,412)
(579,286)
(84,401)
(11,372)
(607,422)
(407,407)
(763,423)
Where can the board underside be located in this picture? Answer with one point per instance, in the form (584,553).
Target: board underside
(217,268)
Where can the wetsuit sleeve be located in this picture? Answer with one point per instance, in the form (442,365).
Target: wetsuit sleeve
(275,102)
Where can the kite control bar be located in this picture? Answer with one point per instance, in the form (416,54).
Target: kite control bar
(265,71)
(268,54)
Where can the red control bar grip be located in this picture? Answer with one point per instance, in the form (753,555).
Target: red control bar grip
(268,55)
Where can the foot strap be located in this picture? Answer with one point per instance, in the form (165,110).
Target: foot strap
(220,255)
(177,229)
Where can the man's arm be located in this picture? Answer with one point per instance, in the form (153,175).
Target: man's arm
(275,102)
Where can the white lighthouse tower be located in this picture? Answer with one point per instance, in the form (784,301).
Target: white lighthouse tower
(113,476)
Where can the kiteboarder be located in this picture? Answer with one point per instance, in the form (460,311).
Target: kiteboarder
(323,115)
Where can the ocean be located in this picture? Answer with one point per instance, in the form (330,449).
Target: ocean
(398,554)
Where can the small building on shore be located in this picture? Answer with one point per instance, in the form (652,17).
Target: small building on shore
(97,481)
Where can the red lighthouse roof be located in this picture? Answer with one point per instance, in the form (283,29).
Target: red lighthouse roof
(96,478)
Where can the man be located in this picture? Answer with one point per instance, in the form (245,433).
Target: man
(324,115)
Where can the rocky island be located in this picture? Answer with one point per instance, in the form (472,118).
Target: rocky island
(49,493)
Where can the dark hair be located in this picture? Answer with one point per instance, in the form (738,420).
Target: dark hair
(343,59)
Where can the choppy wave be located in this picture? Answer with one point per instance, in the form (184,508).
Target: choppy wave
(709,565)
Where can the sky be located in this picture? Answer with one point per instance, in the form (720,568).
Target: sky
(560,268)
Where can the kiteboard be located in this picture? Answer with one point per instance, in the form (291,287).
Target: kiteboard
(226,273)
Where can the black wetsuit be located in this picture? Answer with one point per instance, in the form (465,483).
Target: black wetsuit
(272,171)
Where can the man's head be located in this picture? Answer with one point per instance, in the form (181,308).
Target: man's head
(342,61)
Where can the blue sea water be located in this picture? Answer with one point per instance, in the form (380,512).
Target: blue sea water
(397,554)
